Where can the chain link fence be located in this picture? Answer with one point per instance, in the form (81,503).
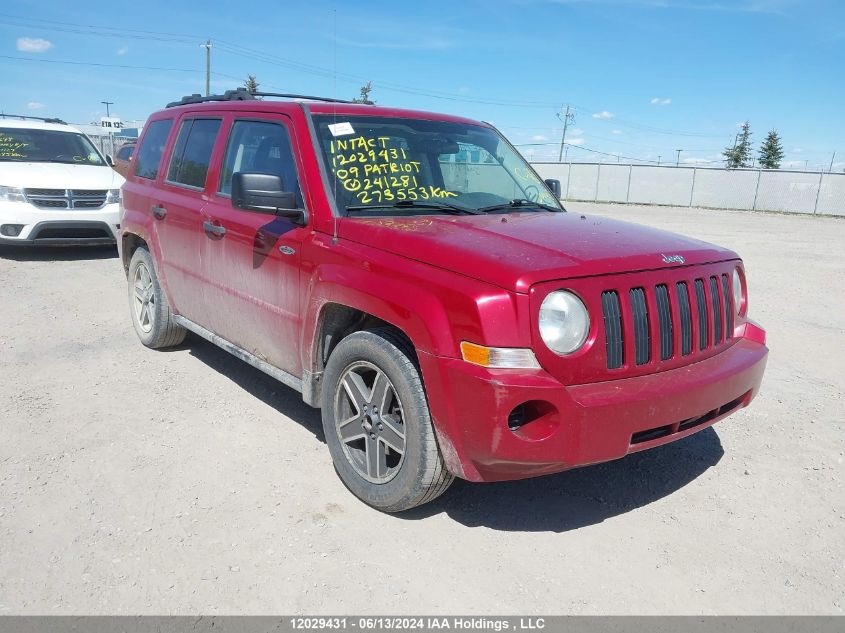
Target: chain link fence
(109,144)
(781,190)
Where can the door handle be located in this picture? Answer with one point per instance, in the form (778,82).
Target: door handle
(158,211)
(214,229)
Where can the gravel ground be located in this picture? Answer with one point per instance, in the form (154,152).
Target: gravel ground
(134,481)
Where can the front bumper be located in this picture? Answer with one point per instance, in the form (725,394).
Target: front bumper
(581,424)
(22,223)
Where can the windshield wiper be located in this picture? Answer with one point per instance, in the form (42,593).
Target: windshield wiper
(446,207)
(518,203)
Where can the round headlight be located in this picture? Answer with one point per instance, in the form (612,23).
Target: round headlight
(737,288)
(564,322)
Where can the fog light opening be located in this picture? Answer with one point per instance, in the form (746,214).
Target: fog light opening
(533,420)
(11,230)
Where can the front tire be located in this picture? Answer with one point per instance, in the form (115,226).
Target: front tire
(377,423)
(148,306)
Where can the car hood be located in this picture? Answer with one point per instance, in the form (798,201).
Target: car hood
(517,250)
(58,176)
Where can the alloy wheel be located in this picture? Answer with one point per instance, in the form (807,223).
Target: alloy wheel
(370,422)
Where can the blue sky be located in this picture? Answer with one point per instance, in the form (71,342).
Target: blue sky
(644,77)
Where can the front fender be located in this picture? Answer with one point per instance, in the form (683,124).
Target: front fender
(435,308)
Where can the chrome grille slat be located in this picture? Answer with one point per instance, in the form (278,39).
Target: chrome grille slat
(54,193)
(66,198)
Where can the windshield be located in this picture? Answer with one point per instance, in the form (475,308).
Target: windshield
(405,166)
(28,145)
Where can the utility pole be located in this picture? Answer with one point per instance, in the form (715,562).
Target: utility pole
(658,159)
(830,169)
(567,118)
(678,161)
(108,103)
(207,47)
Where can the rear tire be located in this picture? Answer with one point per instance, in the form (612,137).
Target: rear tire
(148,306)
(377,423)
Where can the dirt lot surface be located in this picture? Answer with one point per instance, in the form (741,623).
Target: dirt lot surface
(134,481)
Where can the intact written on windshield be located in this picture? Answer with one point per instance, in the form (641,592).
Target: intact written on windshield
(404,166)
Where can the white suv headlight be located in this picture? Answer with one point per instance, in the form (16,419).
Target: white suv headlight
(564,322)
(12,194)
(113,196)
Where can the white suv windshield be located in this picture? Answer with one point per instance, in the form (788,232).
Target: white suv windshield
(29,145)
(408,166)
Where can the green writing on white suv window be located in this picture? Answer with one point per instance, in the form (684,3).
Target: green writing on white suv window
(47,146)
(10,147)
(410,166)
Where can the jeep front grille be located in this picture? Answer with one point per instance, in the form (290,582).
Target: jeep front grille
(655,314)
(66,198)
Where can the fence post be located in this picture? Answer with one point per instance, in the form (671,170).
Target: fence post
(628,191)
(692,186)
(757,189)
(568,180)
(598,179)
(818,193)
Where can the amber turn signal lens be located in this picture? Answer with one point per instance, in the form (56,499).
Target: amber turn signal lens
(499,357)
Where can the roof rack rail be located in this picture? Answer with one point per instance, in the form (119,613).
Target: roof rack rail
(242,94)
(285,95)
(23,117)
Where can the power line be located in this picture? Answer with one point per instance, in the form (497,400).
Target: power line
(99,64)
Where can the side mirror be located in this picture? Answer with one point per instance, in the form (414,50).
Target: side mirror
(263,193)
(109,160)
(554,186)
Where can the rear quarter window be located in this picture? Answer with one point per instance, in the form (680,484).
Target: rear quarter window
(148,156)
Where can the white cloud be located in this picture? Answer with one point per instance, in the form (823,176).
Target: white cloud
(576,131)
(797,150)
(696,161)
(33,45)
(574,141)
(659,101)
(617,132)
(539,137)
(34,105)
(604,114)
(123,50)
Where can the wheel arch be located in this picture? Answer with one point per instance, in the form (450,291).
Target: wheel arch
(129,243)
(343,305)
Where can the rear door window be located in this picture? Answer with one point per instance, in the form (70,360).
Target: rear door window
(148,160)
(192,152)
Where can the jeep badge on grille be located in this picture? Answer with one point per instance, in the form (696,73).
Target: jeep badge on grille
(673,259)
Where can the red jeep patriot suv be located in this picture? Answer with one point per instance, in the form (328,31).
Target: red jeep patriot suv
(411,275)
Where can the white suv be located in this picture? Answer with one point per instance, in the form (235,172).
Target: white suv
(56,188)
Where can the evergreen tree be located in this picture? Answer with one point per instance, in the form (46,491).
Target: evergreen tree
(740,154)
(366,89)
(771,151)
(251,83)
